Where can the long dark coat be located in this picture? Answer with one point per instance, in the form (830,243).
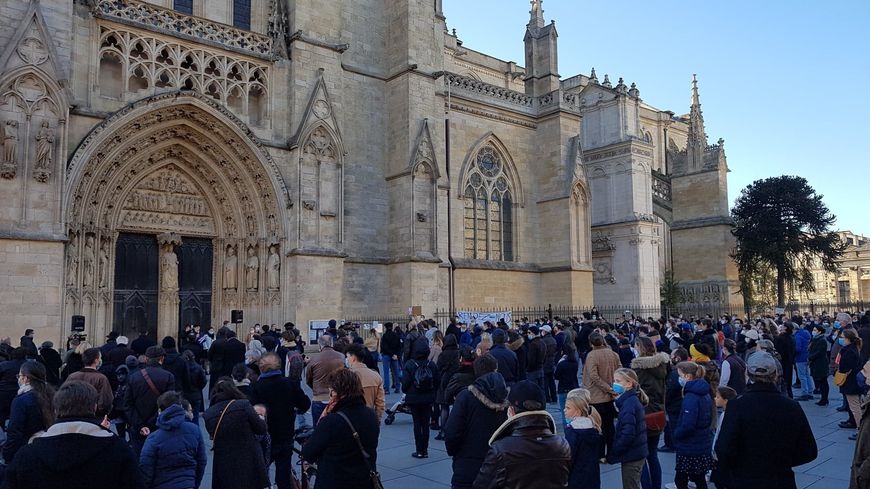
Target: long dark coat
(238,458)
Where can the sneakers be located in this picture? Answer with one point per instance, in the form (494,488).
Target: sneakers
(420,455)
(847,425)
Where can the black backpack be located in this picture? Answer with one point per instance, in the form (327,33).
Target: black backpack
(424,380)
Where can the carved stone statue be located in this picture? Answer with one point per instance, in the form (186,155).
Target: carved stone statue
(10,149)
(44,149)
(89,259)
(252,268)
(72,260)
(169,268)
(274,267)
(231,263)
(104,264)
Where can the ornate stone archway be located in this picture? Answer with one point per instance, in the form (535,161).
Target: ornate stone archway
(176,165)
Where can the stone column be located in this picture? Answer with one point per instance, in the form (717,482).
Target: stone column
(168,300)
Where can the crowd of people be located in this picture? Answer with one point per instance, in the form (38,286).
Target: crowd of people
(722,393)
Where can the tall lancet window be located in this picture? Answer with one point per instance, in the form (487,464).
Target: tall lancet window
(183,6)
(242,14)
(489,212)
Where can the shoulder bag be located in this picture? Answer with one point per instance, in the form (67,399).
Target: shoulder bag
(373,474)
(221,418)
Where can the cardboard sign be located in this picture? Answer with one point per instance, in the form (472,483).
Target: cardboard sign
(416,310)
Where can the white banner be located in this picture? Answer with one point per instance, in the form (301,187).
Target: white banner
(477,317)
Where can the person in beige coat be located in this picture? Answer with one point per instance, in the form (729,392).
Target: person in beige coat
(598,371)
(372,384)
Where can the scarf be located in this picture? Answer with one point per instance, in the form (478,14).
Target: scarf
(24,389)
(698,356)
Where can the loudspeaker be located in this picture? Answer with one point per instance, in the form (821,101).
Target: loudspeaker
(78,323)
(236,316)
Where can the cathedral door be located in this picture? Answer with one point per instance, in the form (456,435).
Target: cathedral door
(136,282)
(194,281)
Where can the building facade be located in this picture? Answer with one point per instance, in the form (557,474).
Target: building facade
(168,161)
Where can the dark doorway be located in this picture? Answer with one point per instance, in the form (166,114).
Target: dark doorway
(194,281)
(136,282)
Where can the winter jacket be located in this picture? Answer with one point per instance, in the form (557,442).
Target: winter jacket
(710,338)
(198,381)
(391,344)
(101,383)
(177,365)
(785,346)
(850,362)
(118,355)
(629,439)
(52,361)
(860,477)
(566,374)
(598,371)
(625,356)
(692,433)
(802,339)
(74,454)
(520,349)
(141,402)
(760,451)
(141,344)
(536,355)
(458,382)
(24,422)
(736,373)
(585,442)
(448,364)
(507,362)
(525,452)
(8,386)
(818,357)
(174,456)
(337,455)
(652,371)
(673,396)
(373,388)
(476,414)
(864,334)
(550,355)
(283,399)
(419,359)
(320,369)
(238,458)
(582,339)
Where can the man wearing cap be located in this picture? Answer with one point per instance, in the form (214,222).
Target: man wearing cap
(119,353)
(521,443)
(757,452)
(144,387)
(111,341)
(507,359)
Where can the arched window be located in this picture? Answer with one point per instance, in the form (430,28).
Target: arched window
(242,14)
(183,6)
(488,219)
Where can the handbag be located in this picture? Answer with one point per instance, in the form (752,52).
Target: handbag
(373,475)
(221,418)
(840,378)
(656,421)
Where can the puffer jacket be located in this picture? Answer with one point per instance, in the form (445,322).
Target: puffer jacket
(629,439)
(586,442)
(520,448)
(692,434)
(566,374)
(174,456)
(476,414)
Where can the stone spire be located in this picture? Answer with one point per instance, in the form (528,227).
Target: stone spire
(697,135)
(537,14)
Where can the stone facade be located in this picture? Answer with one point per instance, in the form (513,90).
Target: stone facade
(304,145)
(850,284)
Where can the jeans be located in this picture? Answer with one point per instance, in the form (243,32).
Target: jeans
(825,389)
(550,386)
(562,396)
(630,472)
(538,378)
(607,411)
(283,458)
(390,367)
(651,477)
(807,387)
(421,414)
(317,408)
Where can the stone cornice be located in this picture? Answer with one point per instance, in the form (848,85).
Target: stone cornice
(24,235)
(312,251)
(632,146)
(492,115)
(702,222)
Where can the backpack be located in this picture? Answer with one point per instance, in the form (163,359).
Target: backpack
(424,381)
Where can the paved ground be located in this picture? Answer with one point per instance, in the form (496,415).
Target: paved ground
(400,471)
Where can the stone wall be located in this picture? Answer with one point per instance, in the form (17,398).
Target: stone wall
(31,274)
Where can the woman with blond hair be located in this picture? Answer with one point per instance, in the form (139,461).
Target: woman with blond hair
(629,440)
(583,434)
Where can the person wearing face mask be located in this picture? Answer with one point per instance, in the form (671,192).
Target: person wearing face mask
(629,439)
(32,409)
(860,477)
(93,361)
(693,437)
(174,456)
(847,372)
(818,360)
(598,371)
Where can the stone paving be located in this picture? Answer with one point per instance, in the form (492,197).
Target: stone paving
(830,470)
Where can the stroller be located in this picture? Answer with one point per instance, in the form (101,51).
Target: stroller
(398,407)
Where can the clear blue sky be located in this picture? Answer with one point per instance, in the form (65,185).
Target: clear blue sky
(786,83)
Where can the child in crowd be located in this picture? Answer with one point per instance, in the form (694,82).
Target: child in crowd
(720,477)
(693,437)
(174,455)
(583,433)
(629,440)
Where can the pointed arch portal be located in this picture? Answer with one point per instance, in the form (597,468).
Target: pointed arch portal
(180,172)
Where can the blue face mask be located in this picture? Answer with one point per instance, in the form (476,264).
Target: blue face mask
(682,381)
(841,341)
(836,324)
(618,388)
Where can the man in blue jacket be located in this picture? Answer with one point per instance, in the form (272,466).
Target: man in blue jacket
(507,359)
(802,339)
(174,456)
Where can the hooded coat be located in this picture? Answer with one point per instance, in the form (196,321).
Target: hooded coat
(74,454)
(692,434)
(477,413)
(419,359)
(525,452)
(652,371)
(586,443)
(818,357)
(629,439)
(174,456)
